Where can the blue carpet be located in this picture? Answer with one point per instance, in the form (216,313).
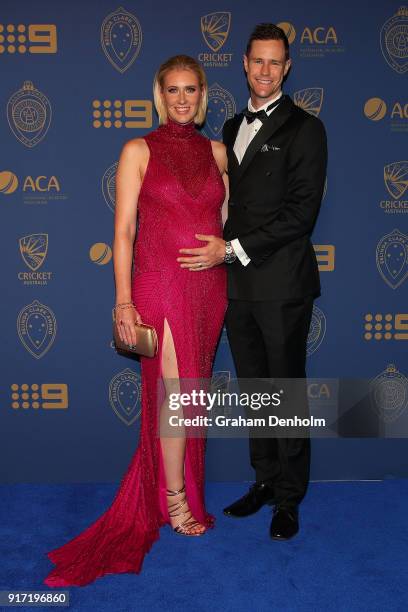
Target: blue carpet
(351,553)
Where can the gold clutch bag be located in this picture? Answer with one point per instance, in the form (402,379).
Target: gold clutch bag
(146,340)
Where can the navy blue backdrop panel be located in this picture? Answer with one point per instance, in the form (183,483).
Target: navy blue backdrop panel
(76,84)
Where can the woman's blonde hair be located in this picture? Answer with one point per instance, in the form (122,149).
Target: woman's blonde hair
(180,62)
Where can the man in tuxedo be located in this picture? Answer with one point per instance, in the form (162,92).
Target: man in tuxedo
(277,158)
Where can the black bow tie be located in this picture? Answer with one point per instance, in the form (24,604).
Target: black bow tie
(261,115)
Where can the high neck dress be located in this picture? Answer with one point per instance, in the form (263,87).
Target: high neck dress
(181,195)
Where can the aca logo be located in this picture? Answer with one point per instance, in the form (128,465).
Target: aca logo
(317,330)
(34,38)
(322,397)
(389,394)
(319,390)
(221,106)
(394,41)
(315,40)
(319,36)
(392,258)
(396,182)
(109,186)
(215,28)
(126,113)
(289,30)
(377,109)
(48,396)
(37,327)
(36,189)
(8,182)
(42,189)
(325,255)
(387,327)
(33,250)
(41,184)
(125,391)
(29,114)
(121,39)
(310,100)
(100,253)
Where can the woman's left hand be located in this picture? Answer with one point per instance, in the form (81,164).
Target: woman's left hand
(203,258)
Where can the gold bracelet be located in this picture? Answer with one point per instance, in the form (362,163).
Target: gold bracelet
(124,305)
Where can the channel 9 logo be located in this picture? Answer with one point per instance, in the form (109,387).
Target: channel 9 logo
(127,113)
(325,254)
(34,38)
(47,396)
(386,327)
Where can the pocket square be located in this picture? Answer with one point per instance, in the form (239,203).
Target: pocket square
(267,147)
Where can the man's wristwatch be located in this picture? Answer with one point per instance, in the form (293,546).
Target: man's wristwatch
(230,255)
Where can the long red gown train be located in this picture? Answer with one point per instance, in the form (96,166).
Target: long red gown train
(181,195)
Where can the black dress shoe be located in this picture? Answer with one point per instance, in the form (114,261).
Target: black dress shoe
(258,495)
(285,523)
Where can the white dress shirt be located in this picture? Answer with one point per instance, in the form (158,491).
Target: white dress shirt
(247,131)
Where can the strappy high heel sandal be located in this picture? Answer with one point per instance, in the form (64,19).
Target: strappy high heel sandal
(186,525)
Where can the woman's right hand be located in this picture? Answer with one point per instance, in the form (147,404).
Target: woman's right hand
(126,318)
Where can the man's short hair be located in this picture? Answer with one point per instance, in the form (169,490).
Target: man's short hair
(268,31)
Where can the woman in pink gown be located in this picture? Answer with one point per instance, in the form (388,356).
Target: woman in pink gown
(171,180)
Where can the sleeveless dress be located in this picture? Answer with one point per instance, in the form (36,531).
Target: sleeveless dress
(181,195)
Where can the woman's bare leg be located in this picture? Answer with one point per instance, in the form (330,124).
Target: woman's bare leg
(174,447)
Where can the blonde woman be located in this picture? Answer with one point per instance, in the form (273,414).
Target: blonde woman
(171,181)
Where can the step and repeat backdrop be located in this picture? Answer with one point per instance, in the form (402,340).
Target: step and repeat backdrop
(76,84)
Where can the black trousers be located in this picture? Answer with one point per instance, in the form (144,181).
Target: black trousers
(268,340)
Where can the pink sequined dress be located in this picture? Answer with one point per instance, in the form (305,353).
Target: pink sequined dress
(181,195)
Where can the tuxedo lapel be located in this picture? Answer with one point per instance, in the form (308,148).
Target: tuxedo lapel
(231,136)
(276,119)
(233,165)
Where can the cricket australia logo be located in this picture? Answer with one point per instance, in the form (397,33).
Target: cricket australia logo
(215,29)
(396,178)
(33,249)
(310,100)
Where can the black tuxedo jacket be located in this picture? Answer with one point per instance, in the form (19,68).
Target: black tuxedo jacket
(275,196)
